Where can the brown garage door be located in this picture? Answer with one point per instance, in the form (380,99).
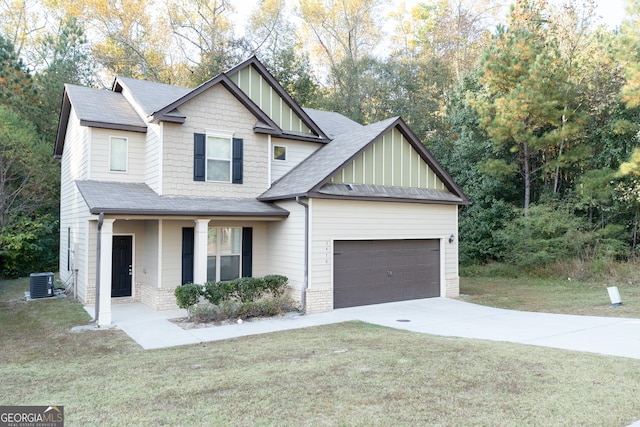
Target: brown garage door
(376,271)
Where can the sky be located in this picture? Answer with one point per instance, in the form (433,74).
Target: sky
(611,11)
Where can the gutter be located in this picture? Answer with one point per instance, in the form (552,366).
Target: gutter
(98,255)
(305,283)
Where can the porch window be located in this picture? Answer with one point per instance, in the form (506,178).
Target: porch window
(224,252)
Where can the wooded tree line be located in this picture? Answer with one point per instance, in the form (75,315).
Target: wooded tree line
(533,109)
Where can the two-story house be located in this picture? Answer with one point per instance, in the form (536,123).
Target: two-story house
(165,185)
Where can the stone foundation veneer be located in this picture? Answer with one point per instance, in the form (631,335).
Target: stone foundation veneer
(319,300)
(157,298)
(452,288)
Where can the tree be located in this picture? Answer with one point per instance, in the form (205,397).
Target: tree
(132,39)
(16,84)
(66,56)
(273,38)
(344,34)
(455,31)
(20,23)
(203,33)
(630,54)
(28,227)
(522,106)
(26,168)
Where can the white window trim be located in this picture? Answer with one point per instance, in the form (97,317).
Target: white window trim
(221,135)
(218,255)
(286,152)
(126,154)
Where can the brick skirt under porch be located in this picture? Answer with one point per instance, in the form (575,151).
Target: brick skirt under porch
(156,298)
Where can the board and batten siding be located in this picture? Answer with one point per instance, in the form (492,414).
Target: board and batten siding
(73,210)
(297,151)
(391,162)
(285,246)
(361,220)
(251,82)
(100,156)
(214,110)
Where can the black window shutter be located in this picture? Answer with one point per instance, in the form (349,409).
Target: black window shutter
(237,161)
(247,251)
(187,254)
(199,156)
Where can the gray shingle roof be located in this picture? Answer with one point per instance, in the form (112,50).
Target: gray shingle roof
(102,108)
(325,161)
(381,192)
(331,123)
(138,199)
(152,96)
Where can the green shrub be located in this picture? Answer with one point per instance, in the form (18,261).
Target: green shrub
(187,296)
(241,298)
(207,313)
(228,310)
(265,308)
(248,309)
(217,292)
(247,289)
(275,284)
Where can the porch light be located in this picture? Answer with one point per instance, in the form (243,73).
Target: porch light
(452,238)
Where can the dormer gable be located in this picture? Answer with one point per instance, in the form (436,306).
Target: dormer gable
(390,161)
(256,82)
(384,160)
(249,82)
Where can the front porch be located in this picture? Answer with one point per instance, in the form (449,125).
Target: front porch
(143,260)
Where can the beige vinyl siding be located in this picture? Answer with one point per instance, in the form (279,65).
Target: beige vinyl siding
(153,157)
(149,263)
(73,210)
(100,141)
(230,117)
(258,89)
(171,252)
(358,220)
(392,162)
(285,245)
(297,151)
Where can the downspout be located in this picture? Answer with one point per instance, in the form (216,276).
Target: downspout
(305,283)
(98,254)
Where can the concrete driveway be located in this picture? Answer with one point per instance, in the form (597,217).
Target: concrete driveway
(437,316)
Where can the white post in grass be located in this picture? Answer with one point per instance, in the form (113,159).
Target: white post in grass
(614,296)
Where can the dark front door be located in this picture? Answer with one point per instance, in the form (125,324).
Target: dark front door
(121,266)
(378,271)
(187,255)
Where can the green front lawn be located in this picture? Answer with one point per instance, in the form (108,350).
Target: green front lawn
(346,374)
(552,295)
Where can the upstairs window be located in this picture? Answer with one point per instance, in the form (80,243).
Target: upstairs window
(218,159)
(118,154)
(279,152)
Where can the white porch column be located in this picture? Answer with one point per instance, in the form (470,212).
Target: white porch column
(106,254)
(200,251)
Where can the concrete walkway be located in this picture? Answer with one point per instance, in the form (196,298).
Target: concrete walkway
(436,316)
